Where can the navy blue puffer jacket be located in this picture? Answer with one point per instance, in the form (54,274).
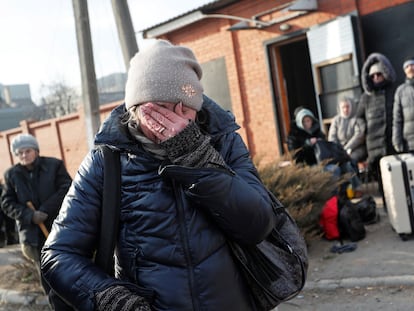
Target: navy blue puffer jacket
(174,222)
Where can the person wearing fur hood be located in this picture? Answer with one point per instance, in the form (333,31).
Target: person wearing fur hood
(348,130)
(376,107)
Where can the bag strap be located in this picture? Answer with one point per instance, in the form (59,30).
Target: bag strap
(111,202)
(110,221)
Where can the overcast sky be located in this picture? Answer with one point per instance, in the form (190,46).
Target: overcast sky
(38,38)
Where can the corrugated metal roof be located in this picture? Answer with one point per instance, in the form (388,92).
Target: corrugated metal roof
(206,8)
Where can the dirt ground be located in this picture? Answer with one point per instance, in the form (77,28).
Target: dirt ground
(20,277)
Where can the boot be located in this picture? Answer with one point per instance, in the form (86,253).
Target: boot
(12,238)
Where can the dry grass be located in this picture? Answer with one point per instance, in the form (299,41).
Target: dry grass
(302,189)
(21,277)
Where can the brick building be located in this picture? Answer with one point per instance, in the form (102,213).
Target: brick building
(261,59)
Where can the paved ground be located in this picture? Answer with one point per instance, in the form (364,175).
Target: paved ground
(378,275)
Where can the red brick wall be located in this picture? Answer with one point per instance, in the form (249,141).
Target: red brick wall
(247,72)
(246,61)
(63,138)
(246,66)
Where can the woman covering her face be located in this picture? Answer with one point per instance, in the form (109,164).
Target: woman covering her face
(187,185)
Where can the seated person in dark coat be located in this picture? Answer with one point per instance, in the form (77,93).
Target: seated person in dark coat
(304,134)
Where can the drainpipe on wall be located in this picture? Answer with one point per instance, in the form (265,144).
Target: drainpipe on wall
(246,114)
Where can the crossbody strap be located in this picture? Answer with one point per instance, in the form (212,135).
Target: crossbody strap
(111,201)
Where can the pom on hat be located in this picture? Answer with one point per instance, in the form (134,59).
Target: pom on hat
(376,68)
(165,73)
(23,141)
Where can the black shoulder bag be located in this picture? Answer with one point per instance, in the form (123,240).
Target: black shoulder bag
(330,151)
(110,210)
(276,268)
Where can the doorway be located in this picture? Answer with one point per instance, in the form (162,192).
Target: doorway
(313,70)
(293,82)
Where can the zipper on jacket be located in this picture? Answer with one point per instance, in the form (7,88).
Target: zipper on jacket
(185,242)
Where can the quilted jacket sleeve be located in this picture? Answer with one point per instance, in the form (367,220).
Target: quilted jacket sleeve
(358,137)
(236,199)
(333,131)
(10,202)
(398,121)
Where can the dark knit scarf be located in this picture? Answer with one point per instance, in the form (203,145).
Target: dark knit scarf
(190,147)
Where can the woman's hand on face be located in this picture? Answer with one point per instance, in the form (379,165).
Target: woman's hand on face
(164,120)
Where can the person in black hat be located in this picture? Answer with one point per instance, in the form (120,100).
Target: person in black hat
(403,121)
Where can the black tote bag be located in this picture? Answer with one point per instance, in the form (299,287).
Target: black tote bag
(276,268)
(330,151)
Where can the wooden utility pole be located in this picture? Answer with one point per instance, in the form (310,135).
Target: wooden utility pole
(87,67)
(126,31)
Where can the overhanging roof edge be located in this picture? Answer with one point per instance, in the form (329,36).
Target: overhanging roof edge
(173,24)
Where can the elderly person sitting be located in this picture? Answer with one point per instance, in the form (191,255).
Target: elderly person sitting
(348,130)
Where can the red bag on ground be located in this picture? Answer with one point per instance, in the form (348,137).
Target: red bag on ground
(329,219)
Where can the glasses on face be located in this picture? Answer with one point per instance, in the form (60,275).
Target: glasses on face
(377,74)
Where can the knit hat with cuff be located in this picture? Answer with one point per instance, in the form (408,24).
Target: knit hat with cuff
(162,72)
(23,141)
(408,61)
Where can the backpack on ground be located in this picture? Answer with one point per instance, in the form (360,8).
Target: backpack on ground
(329,219)
(340,219)
(367,209)
(350,224)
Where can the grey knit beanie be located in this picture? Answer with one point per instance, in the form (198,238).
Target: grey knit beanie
(23,141)
(165,73)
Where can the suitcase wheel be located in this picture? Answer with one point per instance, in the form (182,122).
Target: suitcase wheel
(404,236)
